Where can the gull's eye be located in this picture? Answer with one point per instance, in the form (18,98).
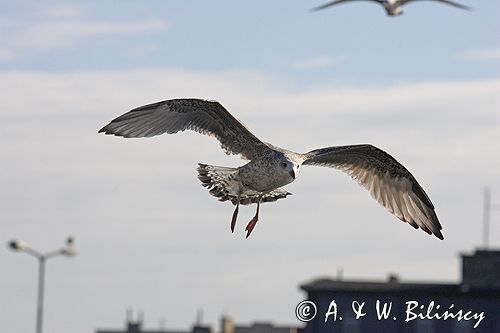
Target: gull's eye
(283,165)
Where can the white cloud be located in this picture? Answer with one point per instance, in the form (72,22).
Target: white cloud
(482,55)
(62,33)
(145,226)
(58,27)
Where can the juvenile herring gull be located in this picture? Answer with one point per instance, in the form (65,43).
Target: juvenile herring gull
(392,7)
(271,167)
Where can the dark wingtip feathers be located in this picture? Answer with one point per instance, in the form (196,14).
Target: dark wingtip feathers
(439,235)
(108,130)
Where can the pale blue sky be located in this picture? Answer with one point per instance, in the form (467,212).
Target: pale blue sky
(351,43)
(423,86)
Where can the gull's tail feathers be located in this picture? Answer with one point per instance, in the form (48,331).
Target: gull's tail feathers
(224,184)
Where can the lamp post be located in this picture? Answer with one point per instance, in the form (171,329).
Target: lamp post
(67,251)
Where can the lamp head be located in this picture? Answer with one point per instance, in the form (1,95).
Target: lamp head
(70,249)
(16,245)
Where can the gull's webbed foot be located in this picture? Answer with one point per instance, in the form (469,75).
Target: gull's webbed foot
(251,225)
(253,221)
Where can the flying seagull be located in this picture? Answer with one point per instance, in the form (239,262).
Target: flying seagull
(392,7)
(270,167)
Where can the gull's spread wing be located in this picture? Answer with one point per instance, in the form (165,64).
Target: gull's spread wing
(205,117)
(336,2)
(448,2)
(389,182)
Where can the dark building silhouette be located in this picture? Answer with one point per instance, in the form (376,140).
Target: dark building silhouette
(135,326)
(414,307)
(227,326)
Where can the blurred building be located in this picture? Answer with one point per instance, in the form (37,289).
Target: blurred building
(411,307)
(227,326)
(136,326)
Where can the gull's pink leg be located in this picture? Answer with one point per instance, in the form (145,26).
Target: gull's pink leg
(253,221)
(235,215)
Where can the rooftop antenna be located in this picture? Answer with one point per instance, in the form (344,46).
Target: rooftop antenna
(199,317)
(140,317)
(487,208)
(129,315)
(162,324)
(486,216)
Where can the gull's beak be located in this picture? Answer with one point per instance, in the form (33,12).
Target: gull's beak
(292,173)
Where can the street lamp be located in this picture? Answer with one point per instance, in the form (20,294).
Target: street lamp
(67,251)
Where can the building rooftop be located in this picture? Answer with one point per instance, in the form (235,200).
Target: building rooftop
(326,284)
(480,275)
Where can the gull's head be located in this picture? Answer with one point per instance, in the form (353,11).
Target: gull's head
(397,11)
(289,167)
(393,7)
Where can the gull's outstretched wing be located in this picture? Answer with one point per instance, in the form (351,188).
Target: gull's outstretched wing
(390,183)
(336,2)
(448,2)
(205,117)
